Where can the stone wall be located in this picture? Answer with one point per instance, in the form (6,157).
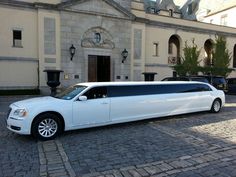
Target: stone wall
(73,28)
(49,36)
(124,3)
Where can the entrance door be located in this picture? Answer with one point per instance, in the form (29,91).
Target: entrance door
(99,68)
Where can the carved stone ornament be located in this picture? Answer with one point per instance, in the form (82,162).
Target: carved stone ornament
(97,37)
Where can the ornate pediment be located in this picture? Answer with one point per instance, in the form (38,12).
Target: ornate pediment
(97,37)
(100,7)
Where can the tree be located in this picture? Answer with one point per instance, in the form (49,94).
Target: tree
(221,58)
(189,64)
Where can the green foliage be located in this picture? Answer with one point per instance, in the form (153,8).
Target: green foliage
(189,64)
(221,58)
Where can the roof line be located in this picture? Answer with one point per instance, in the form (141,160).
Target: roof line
(184,28)
(63,5)
(220,11)
(114,4)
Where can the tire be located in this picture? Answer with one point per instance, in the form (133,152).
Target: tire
(216,106)
(46,127)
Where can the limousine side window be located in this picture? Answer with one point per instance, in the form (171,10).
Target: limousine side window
(183,88)
(97,92)
(71,92)
(118,91)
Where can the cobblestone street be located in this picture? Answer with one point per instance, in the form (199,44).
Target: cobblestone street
(192,145)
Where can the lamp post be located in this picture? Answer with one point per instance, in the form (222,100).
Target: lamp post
(124,54)
(72,51)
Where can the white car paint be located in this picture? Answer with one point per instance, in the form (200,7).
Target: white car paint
(90,113)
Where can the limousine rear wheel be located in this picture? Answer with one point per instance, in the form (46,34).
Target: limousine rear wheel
(216,106)
(46,127)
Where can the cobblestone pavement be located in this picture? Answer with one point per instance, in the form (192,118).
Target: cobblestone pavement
(193,145)
(18,154)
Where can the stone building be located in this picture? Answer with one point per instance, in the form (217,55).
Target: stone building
(38,35)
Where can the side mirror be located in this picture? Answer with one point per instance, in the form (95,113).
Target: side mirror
(83,98)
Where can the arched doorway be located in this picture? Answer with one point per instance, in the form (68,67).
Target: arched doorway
(234,59)
(174,50)
(208,47)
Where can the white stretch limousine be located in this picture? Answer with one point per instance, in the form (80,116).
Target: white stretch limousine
(95,104)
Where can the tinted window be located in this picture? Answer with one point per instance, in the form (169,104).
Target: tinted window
(71,92)
(199,79)
(232,81)
(183,79)
(183,88)
(176,79)
(218,80)
(117,91)
(97,92)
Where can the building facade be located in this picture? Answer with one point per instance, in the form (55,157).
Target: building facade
(223,16)
(38,35)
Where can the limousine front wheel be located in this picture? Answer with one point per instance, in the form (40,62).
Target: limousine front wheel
(216,106)
(46,126)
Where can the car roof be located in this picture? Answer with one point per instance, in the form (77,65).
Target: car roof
(208,76)
(88,84)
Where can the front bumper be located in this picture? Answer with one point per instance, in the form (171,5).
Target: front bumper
(17,124)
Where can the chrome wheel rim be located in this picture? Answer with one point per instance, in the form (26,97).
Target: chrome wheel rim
(217,106)
(47,127)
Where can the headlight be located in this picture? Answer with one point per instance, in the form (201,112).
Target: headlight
(20,112)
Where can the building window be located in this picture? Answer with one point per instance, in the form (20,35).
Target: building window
(171,12)
(17,38)
(170,48)
(190,9)
(155,49)
(223,20)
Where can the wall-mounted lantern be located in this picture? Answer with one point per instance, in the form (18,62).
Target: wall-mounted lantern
(72,51)
(124,54)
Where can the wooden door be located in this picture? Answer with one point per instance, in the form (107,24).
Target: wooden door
(92,68)
(103,69)
(99,68)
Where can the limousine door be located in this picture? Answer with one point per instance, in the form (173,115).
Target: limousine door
(94,110)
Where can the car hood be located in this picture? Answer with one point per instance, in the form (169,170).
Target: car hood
(43,101)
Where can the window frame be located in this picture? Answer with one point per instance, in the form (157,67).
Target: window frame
(223,19)
(171,12)
(170,48)
(15,38)
(190,9)
(95,88)
(156,49)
